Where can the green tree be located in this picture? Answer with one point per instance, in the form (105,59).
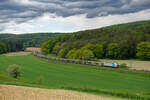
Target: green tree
(61,53)
(44,48)
(89,46)
(99,51)
(56,48)
(123,50)
(112,50)
(143,50)
(88,55)
(14,71)
(72,54)
(85,54)
(50,45)
(2,48)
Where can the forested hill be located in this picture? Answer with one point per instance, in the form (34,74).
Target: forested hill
(127,35)
(28,40)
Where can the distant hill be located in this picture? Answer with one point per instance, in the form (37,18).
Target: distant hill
(29,40)
(128,33)
(136,31)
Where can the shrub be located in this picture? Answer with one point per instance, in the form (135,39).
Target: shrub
(14,71)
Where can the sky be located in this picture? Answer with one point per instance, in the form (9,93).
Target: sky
(31,16)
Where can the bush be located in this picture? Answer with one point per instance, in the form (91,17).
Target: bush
(14,71)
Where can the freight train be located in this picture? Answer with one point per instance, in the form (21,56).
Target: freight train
(84,62)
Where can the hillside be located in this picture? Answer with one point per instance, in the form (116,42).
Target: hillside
(139,31)
(123,35)
(50,74)
(28,40)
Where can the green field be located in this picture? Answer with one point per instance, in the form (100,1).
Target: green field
(114,82)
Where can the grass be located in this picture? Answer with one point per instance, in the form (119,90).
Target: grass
(113,82)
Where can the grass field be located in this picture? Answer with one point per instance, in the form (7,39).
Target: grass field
(113,82)
(133,64)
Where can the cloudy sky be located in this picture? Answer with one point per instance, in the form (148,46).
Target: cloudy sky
(23,16)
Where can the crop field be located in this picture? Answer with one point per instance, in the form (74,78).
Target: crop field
(133,64)
(113,82)
(29,93)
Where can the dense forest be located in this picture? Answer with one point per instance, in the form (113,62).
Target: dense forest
(12,42)
(29,40)
(123,41)
(10,46)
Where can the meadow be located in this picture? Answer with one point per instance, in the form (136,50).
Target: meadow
(97,80)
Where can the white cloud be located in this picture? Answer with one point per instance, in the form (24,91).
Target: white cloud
(53,23)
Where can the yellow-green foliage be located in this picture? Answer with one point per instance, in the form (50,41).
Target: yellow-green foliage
(61,53)
(56,48)
(89,46)
(143,50)
(112,50)
(85,54)
(44,48)
(72,54)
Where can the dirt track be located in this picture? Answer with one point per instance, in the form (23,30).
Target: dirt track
(8,92)
(17,54)
(33,49)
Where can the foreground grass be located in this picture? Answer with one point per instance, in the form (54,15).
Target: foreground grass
(79,77)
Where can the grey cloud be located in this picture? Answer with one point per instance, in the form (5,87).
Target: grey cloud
(24,10)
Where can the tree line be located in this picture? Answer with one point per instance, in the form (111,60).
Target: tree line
(125,41)
(10,46)
(13,43)
(103,50)
(29,40)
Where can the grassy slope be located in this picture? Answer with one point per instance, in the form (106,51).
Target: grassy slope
(78,77)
